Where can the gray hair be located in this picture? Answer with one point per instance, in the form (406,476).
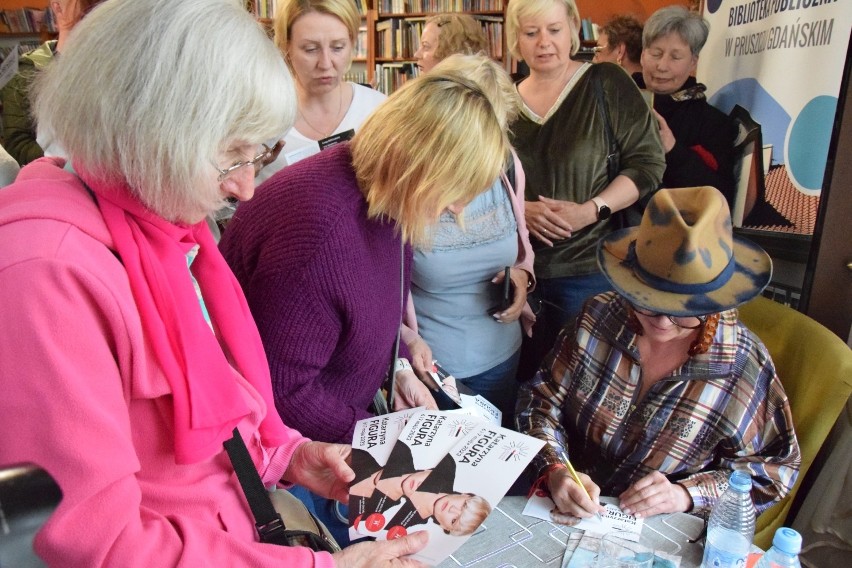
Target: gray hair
(690,26)
(150,92)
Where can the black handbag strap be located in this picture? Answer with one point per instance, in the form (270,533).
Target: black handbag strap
(389,385)
(270,526)
(612,144)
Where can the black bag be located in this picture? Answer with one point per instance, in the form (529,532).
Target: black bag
(288,522)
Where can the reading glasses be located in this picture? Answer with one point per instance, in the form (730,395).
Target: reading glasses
(257,162)
(687,322)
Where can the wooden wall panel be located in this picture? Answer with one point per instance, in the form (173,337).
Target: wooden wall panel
(601,11)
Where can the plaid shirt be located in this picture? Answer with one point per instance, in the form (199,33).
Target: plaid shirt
(722,410)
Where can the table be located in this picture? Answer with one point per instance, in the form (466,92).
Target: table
(507,539)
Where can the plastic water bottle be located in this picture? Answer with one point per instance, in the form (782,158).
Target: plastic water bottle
(730,530)
(784,553)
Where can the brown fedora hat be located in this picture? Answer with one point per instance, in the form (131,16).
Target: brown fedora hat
(683,258)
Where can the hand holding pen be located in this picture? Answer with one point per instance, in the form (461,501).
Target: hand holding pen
(574,494)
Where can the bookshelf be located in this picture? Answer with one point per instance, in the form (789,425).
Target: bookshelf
(395,26)
(26,25)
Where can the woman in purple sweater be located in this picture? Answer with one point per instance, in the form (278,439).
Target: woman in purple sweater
(323,252)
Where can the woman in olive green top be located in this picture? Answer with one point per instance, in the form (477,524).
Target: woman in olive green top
(561,139)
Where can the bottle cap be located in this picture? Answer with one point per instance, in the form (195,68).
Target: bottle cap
(740,481)
(787,540)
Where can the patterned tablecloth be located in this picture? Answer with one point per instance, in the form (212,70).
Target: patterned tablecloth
(507,539)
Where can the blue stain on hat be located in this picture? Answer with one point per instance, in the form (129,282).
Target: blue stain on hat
(683,259)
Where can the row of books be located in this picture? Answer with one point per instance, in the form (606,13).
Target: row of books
(399,38)
(27,21)
(390,77)
(354,76)
(359,50)
(265,9)
(588,30)
(438,6)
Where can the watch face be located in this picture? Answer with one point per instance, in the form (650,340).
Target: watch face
(604,212)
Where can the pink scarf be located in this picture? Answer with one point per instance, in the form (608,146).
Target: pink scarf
(208,403)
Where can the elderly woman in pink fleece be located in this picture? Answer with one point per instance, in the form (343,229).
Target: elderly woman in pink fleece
(128,354)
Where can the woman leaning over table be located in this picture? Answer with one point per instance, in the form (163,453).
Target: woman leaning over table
(561,140)
(129,353)
(317,38)
(324,251)
(457,277)
(658,392)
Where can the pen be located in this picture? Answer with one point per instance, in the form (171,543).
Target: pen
(576,477)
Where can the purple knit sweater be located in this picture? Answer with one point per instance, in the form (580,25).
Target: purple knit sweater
(322,282)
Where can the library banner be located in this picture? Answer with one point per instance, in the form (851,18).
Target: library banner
(782,61)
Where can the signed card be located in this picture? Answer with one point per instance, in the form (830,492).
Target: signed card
(613,519)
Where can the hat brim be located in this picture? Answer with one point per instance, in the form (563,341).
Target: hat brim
(752,274)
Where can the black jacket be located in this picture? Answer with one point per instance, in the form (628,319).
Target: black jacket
(704,136)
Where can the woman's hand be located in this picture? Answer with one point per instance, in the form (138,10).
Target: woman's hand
(654,494)
(544,222)
(411,392)
(421,355)
(322,469)
(570,497)
(383,553)
(273,155)
(520,280)
(576,215)
(666,135)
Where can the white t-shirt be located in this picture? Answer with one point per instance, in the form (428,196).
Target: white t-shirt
(298,146)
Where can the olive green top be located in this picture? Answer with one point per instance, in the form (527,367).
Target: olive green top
(19,128)
(564,157)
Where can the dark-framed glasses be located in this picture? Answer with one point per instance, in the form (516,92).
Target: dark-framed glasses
(257,162)
(687,322)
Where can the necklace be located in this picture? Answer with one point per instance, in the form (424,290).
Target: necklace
(322,133)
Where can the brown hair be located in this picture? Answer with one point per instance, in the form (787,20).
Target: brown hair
(458,33)
(628,31)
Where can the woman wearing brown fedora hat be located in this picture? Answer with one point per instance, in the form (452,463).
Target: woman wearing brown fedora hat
(658,392)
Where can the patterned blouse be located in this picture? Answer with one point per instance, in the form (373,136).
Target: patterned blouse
(722,410)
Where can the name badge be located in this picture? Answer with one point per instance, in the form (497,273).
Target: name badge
(336,139)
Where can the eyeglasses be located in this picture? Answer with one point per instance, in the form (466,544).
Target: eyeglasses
(600,48)
(257,162)
(686,322)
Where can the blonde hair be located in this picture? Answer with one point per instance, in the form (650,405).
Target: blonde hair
(520,9)
(288,11)
(149,92)
(475,511)
(492,79)
(434,142)
(458,33)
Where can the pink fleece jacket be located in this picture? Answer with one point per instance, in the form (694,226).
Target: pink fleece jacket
(84,399)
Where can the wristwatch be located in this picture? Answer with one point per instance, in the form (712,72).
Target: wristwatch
(603,209)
